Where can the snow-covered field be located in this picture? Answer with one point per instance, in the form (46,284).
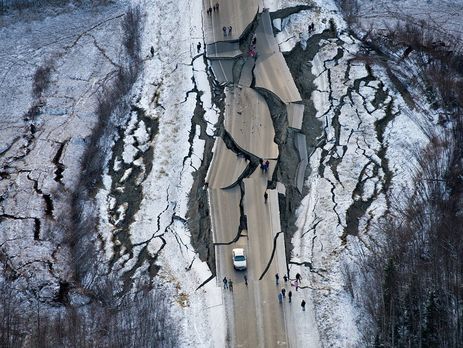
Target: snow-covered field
(366,158)
(43,137)
(443,16)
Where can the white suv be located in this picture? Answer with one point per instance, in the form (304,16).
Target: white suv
(239,259)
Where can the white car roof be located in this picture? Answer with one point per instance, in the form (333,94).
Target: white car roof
(238,251)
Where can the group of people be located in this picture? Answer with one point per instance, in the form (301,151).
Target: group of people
(213,9)
(228,283)
(264,165)
(282,293)
(227,30)
(311,27)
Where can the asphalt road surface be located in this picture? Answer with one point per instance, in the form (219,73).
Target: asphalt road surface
(255,316)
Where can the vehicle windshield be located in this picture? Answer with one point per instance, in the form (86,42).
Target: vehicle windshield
(240,258)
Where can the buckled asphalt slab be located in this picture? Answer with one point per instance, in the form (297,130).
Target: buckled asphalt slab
(247,76)
(249,123)
(224,206)
(226,167)
(223,70)
(271,71)
(223,50)
(295,113)
(301,145)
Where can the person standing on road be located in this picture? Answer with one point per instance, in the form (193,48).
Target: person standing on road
(303,305)
(198,47)
(290,294)
(229,30)
(224,31)
(266,165)
(277,278)
(280,298)
(217,6)
(225,283)
(245,280)
(285,278)
(230,285)
(298,277)
(265,197)
(283,292)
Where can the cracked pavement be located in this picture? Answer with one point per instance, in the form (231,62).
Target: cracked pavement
(240,214)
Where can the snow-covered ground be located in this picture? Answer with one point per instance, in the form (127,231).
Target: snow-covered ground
(443,16)
(172,76)
(43,137)
(365,159)
(84,49)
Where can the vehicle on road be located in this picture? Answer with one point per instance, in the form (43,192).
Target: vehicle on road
(239,259)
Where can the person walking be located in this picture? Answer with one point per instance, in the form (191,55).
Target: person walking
(198,47)
(298,277)
(225,283)
(285,278)
(230,285)
(283,292)
(229,30)
(224,29)
(245,280)
(152,51)
(265,197)
(280,297)
(277,278)
(290,295)
(303,305)
(217,6)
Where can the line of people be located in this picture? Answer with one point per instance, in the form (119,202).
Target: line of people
(282,294)
(214,8)
(228,283)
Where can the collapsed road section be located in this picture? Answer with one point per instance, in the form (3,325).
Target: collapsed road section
(242,188)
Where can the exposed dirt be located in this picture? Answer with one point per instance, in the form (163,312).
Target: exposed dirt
(198,218)
(298,61)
